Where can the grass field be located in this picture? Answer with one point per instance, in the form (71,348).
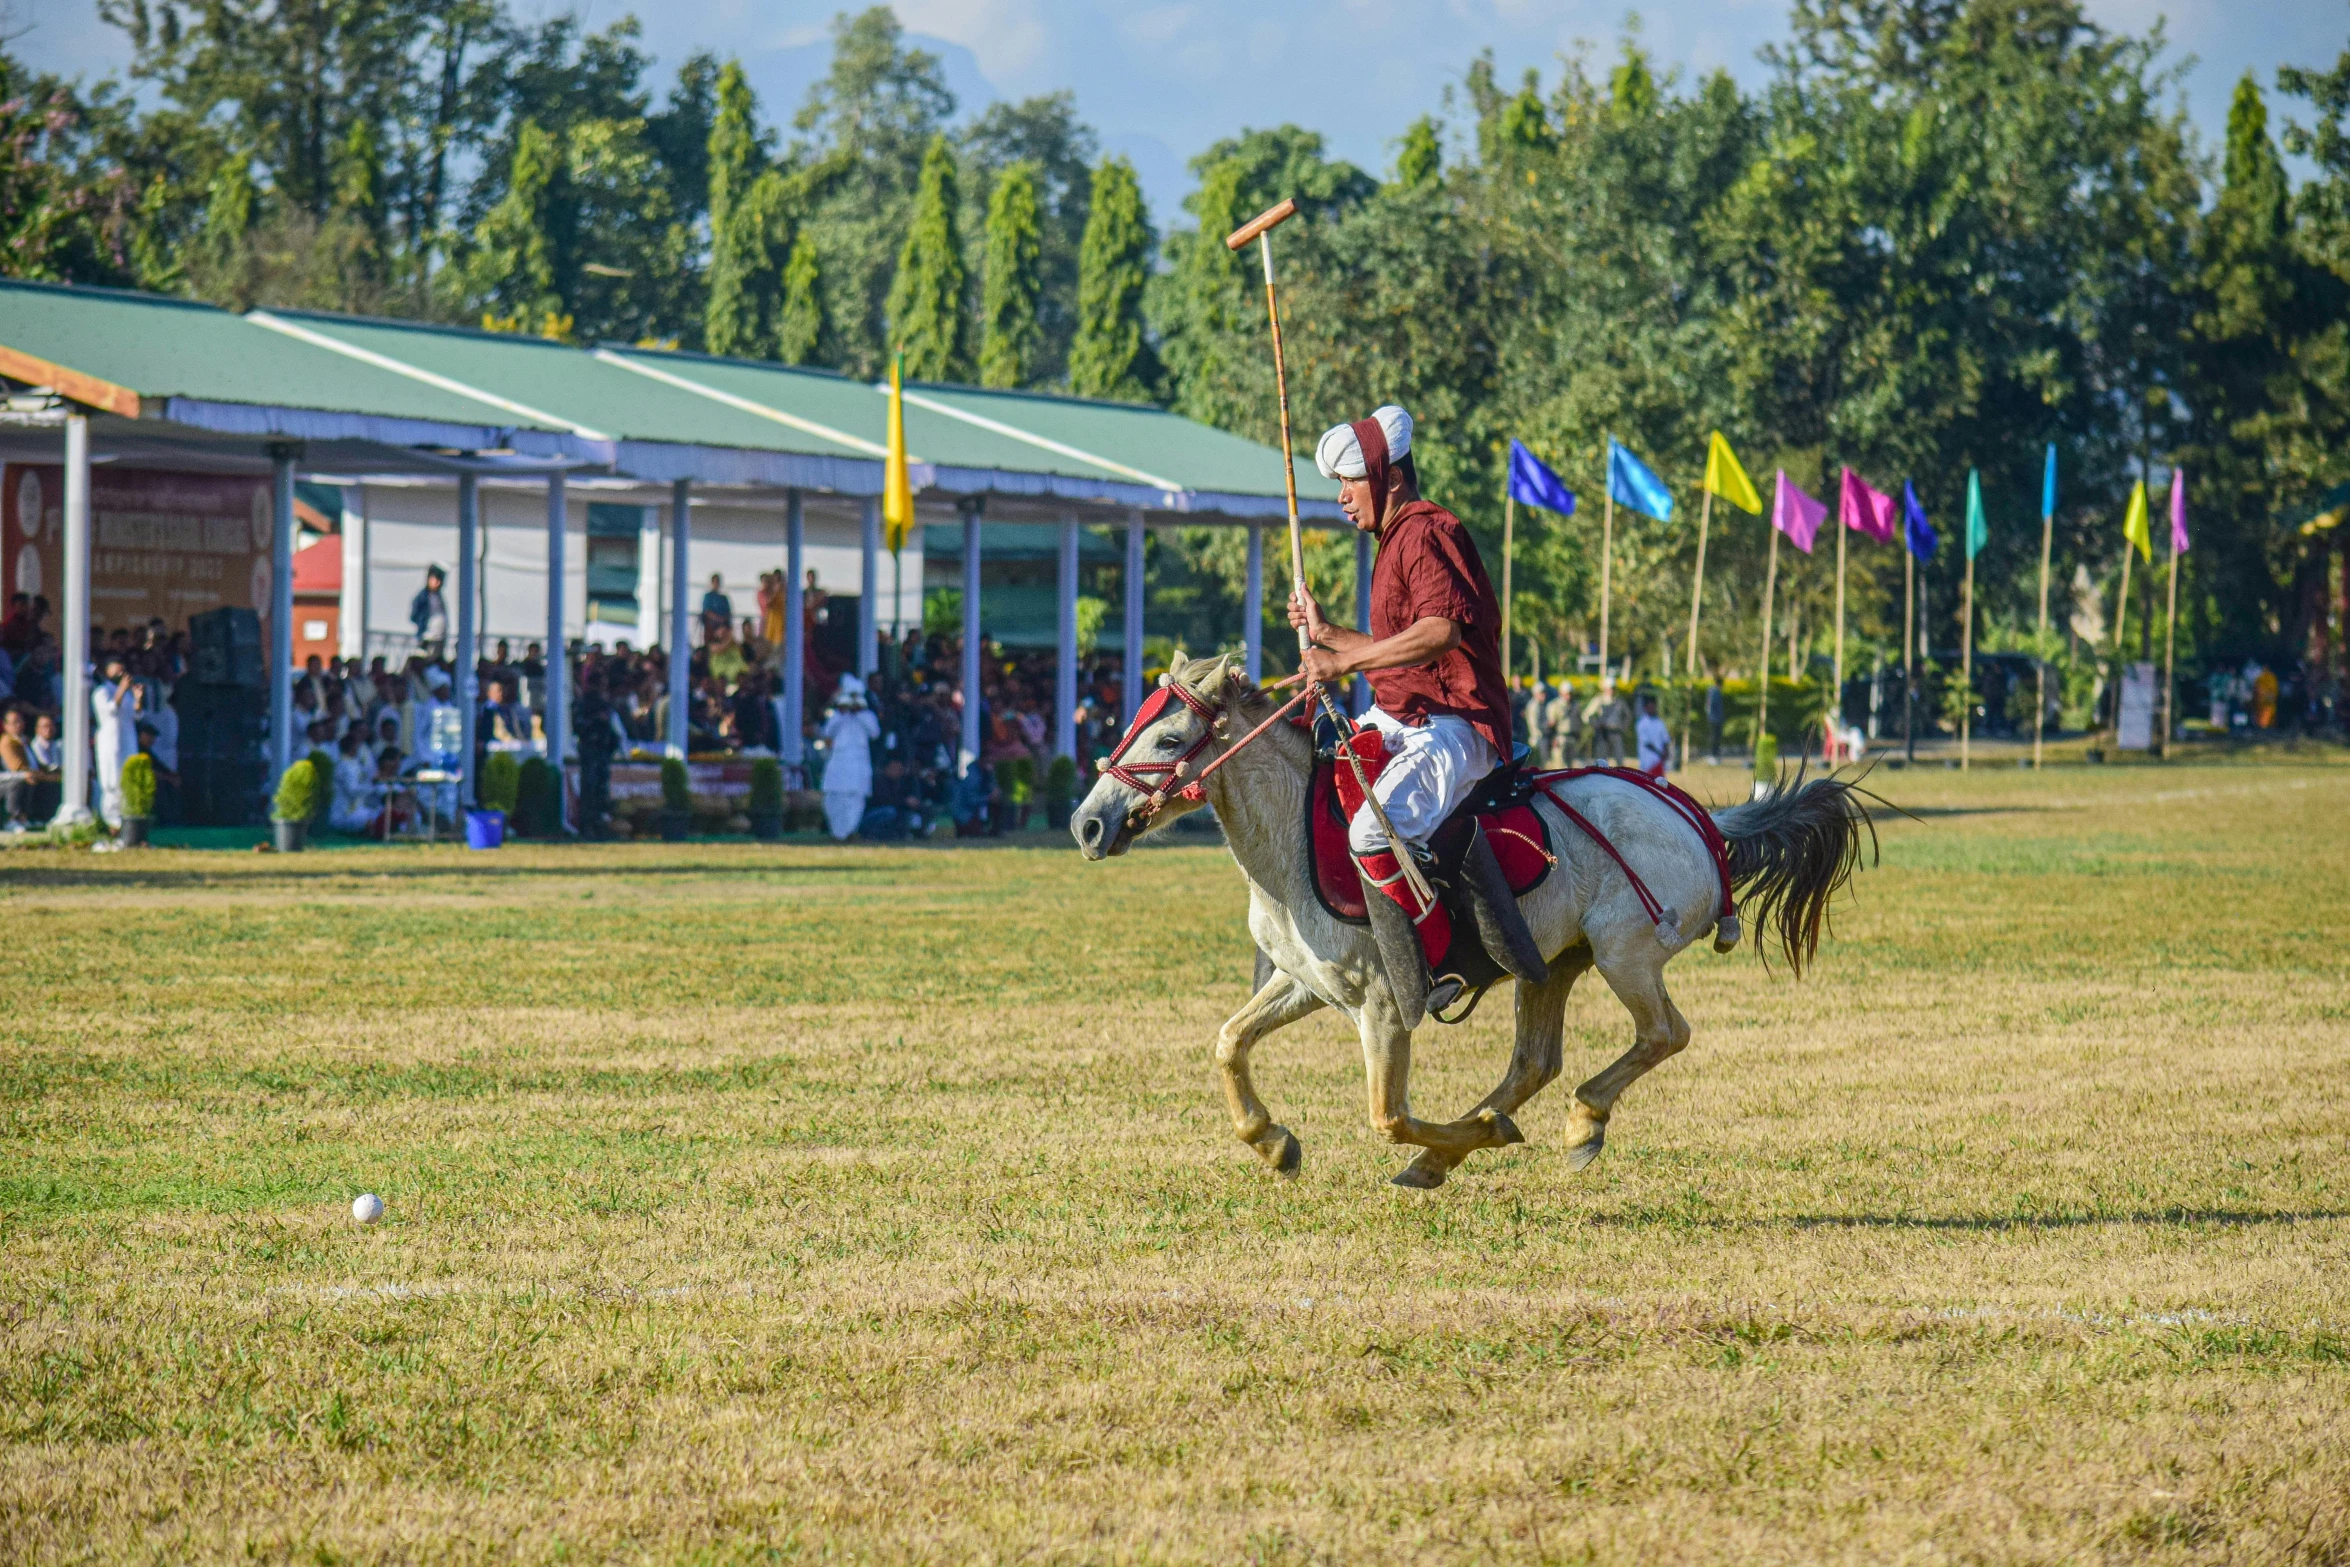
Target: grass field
(859,1204)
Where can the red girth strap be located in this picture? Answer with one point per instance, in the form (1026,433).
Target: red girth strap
(1696,815)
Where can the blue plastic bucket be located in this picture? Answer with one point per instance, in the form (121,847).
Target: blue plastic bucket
(485,829)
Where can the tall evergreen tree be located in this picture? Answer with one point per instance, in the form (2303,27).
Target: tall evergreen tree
(512,265)
(926,307)
(1111,356)
(1009,332)
(799,330)
(735,319)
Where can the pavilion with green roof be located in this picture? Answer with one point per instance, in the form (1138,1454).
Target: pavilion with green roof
(145,381)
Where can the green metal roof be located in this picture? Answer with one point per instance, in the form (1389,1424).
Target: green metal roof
(173,352)
(645,413)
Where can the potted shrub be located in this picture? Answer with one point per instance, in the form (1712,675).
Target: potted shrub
(1060,792)
(138,799)
(766,805)
(296,803)
(501,782)
(677,800)
(1018,776)
(322,766)
(532,818)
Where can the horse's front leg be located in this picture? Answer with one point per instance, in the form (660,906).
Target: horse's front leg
(1387,1068)
(1282,1000)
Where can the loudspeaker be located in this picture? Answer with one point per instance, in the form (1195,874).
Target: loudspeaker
(219,791)
(224,647)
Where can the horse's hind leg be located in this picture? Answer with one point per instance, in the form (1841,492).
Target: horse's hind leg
(1534,1062)
(1280,1001)
(1636,973)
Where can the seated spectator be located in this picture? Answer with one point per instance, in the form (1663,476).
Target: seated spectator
(167,778)
(500,721)
(357,801)
(974,801)
(17,773)
(48,751)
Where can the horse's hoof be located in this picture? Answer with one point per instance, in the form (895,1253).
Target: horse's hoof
(1420,1175)
(1280,1149)
(1505,1130)
(1580,1155)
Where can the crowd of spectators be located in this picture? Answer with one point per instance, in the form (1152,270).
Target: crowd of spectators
(885,748)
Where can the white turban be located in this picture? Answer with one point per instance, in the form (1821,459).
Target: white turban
(1340,455)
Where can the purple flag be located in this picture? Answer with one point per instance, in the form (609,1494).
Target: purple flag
(1796,514)
(2178,511)
(1865,509)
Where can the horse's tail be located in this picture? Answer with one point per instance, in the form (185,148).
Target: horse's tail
(1789,853)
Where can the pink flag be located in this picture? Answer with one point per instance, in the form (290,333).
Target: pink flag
(2178,511)
(1865,509)
(1797,515)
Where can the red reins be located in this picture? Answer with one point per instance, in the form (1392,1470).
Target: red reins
(1140,775)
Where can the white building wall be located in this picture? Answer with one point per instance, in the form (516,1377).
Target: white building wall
(412,526)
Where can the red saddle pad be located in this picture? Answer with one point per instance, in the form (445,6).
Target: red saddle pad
(1520,840)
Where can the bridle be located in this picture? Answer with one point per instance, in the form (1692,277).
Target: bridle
(1157,782)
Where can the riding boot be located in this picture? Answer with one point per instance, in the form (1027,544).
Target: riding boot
(1493,909)
(1400,929)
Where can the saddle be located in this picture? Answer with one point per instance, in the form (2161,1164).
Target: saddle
(1501,804)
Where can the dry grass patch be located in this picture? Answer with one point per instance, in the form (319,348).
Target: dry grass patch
(754,1204)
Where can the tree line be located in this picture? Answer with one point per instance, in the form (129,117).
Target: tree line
(1943,234)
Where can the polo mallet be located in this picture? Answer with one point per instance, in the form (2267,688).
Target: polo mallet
(1260,228)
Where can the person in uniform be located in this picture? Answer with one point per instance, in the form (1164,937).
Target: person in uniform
(1432,658)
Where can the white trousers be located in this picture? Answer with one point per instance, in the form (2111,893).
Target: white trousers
(1430,770)
(843,810)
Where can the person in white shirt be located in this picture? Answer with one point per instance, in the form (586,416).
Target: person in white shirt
(1655,740)
(114,735)
(849,734)
(356,798)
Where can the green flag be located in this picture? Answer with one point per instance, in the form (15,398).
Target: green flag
(1978,526)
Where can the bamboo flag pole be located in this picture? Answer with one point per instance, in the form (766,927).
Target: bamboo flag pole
(1966,666)
(2040,647)
(1909,644)
(1836,695)
(2170,639)
(1607,554)
(2121,615)
(1705,513)
(1762,722)
(1509,528)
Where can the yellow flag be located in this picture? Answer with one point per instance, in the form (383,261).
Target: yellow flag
(1725,478)
(897,486)
(2134,524)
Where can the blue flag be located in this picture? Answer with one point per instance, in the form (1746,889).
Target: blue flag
(2048,484)
(1917,532)
(1536,485)
(1632,484)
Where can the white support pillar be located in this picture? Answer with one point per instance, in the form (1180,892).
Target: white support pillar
(795,632)
(1065,645)
(353,605)
(283,746)
(467,683)
(1130,679)
(869,588)
(558,716)
(973,686)
(1362,687)
(651,602)
(1252,612)
(73,666)
(681,663)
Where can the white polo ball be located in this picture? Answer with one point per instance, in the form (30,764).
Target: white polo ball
(367,1207)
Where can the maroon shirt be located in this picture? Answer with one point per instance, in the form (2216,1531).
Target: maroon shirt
(1428,565)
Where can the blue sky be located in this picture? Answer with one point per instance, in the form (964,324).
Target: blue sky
(1160,79)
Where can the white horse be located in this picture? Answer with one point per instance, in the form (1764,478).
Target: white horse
(1789,852)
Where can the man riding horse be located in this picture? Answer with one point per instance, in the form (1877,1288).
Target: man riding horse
(1433,661)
